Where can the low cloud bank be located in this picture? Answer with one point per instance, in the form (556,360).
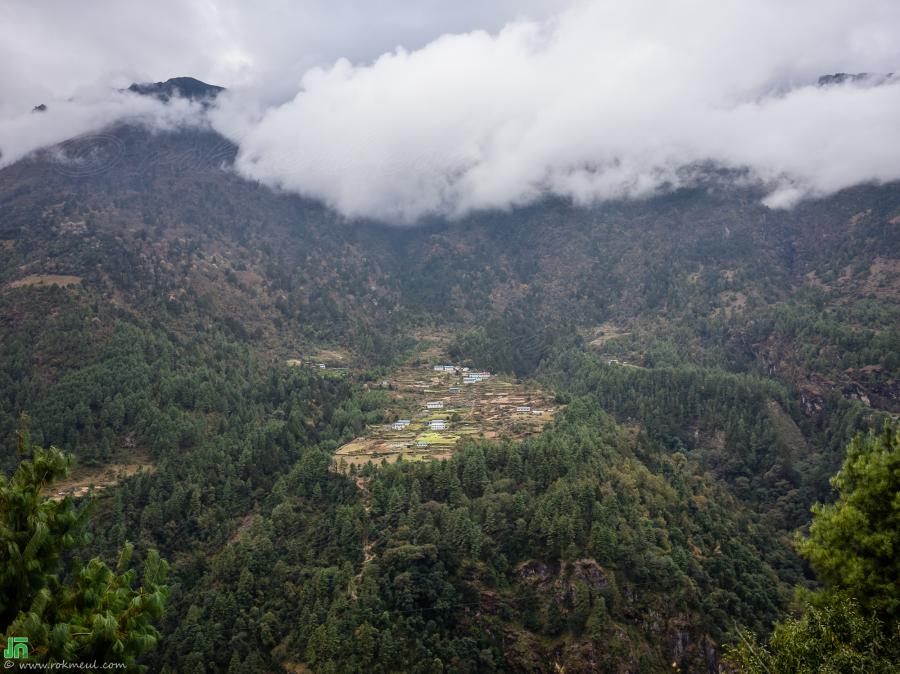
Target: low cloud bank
(608,100)
(603,100)
(23,132)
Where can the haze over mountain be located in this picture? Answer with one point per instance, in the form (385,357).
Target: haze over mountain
(526,346)
(601,100)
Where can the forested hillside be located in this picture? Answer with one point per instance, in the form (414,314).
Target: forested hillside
(712,358)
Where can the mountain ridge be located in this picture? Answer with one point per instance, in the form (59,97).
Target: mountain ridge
(711,356)
(184,87)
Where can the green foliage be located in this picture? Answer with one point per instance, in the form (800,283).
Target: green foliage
(516,342)
(833,637)
(593,539)
(568,535)
(852,625)
(90,612)
(853,543)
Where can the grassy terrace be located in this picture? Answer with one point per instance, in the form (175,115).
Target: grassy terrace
(486,409)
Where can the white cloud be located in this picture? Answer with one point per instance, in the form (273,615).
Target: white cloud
(608,100)
(23,132)
(590,99)
(73,56)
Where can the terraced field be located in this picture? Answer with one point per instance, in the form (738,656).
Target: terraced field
(486,409)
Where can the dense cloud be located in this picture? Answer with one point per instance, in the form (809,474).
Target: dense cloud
(53,49)
(481,108)
(23,132)
(611,99)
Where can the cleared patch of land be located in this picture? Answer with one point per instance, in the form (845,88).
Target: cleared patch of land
(498,406)
(601,334)
(42,280)
(84,478)
(327,362)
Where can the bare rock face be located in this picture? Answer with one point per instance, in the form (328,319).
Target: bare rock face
(534,572)
(605,645)
(589,571)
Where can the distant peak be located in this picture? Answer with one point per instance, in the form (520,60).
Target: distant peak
(870,79)
(178,87)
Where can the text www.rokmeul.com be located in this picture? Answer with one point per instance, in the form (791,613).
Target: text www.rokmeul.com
(9,664)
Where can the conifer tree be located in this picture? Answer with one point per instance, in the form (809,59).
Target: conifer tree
(68,611)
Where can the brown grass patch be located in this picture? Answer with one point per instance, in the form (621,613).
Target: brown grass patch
(45,280)
(83,478)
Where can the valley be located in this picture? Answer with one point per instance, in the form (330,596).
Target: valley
(672,383)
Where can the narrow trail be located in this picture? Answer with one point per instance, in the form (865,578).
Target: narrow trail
(367,548)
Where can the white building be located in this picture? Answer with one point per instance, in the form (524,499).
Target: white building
(454,389)
(421,443)
(400,424)
(523,408)
(438,425)
(537,411)
(434,405)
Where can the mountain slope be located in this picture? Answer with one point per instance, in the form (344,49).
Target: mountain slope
(715,356)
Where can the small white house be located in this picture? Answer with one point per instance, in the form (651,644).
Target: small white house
(523,408)
(421,443)
(434,405)
(454,389)
(438,425)
(537,411)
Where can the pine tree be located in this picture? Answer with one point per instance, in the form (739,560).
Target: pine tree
(98,615)
(853,543)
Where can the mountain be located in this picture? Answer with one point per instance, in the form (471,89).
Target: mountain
(184,87)
(871,79)
(710,357)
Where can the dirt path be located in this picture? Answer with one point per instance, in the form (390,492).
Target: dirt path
(368,545)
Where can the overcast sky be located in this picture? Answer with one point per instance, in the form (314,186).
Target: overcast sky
(397,109)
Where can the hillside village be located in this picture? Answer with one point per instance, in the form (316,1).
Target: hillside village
(436,407)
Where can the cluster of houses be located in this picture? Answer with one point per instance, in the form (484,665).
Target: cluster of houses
(469,377)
